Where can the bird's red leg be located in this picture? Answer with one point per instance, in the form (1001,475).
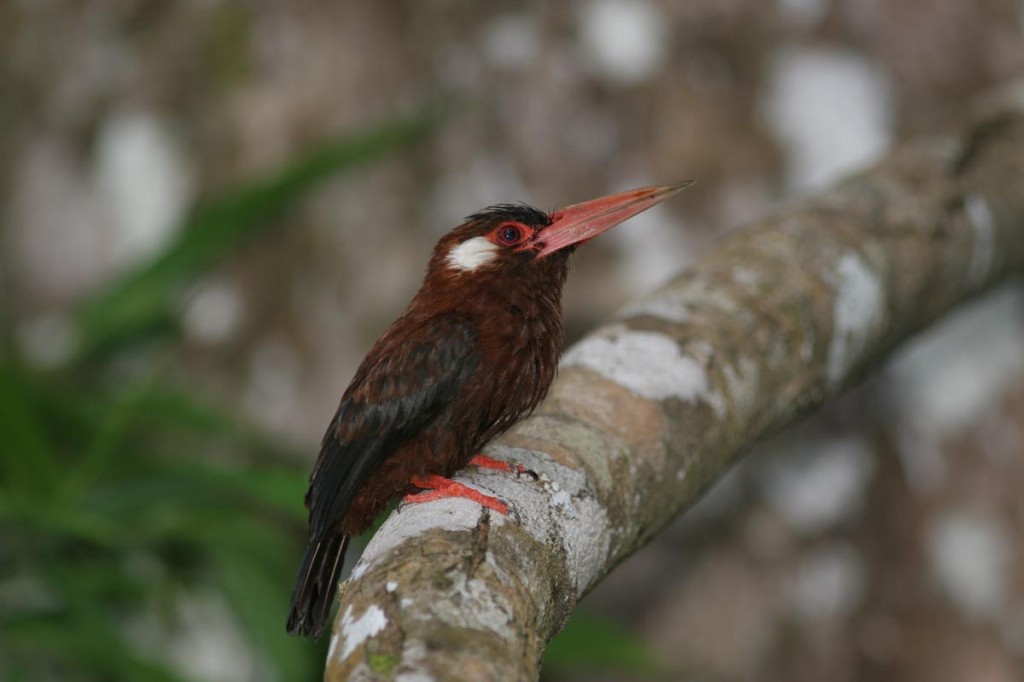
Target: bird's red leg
(438,487)
(485,462)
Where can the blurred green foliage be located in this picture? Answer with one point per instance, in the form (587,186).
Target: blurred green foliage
(589,643)
(123,497)
(111,510)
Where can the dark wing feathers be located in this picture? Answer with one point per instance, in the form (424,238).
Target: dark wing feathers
(312,596)
(406,380)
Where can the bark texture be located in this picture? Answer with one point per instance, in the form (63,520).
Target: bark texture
(651,408)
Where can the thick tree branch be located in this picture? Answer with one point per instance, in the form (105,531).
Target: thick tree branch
(650,409)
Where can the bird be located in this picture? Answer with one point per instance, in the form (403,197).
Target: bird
(474,352)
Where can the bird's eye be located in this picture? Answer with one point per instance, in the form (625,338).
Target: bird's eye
(510,234)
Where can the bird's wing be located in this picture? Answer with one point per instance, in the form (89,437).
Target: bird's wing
(407,378)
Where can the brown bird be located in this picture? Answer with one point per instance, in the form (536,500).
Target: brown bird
(475,352)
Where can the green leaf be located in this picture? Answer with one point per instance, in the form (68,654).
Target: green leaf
(142,302)
(139,526)
(278,488)
(84,648)
(110,433)
(589,642)
(27,457)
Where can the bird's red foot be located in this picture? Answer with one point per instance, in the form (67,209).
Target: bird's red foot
(485,462)
(438,487)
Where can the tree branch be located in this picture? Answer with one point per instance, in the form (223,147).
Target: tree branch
(650,409)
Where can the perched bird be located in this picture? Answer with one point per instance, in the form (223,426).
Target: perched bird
(475,352)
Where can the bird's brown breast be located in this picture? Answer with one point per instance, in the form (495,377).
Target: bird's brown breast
(519,344)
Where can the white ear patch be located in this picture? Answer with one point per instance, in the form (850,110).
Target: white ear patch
(472,253)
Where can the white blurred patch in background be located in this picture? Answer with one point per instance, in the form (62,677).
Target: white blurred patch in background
(487,180)
(511,41)
(146,180)
(59,232)
(829,583)
(969,552)
(816,484)
(652,248)
(213,313)
(803,13)
(832,111)
(275,371)
(951,377)
(624,41)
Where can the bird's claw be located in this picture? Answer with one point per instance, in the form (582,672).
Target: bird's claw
(438,487)
(518,470)
(513,514)
(529,473)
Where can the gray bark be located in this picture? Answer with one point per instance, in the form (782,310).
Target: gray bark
(651,408)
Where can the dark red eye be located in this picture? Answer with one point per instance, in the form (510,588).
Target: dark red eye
(510,234)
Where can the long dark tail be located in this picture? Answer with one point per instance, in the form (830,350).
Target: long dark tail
(313,595)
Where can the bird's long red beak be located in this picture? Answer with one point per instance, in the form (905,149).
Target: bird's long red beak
(580,222)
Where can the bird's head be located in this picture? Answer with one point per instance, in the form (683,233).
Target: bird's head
(512,240)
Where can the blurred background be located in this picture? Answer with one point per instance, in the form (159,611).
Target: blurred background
(210,209)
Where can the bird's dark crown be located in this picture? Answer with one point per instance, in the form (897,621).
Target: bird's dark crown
(520,213)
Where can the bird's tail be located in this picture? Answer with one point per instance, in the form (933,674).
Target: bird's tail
(316,584)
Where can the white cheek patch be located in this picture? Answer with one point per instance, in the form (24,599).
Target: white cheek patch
(472,253)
